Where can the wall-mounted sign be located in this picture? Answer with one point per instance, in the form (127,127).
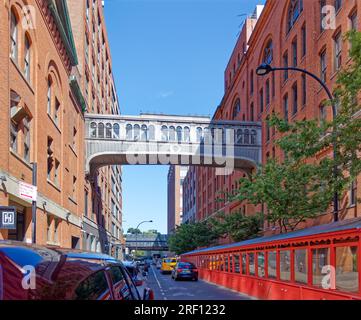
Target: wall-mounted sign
(28,191)
(8,218)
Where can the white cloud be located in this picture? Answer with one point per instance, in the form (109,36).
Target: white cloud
(165,94)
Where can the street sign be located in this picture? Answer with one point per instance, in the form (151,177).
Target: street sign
(8,218)
(28,191)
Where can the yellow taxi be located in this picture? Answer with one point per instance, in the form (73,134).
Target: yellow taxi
(167,265)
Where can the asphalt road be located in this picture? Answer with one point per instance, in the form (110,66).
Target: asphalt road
(165,288)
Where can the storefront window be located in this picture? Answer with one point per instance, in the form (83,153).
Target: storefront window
(260,261)
(301,266)
(347,278)
(272,264)
(236,263)
(320,258)
(285,265)
(251,264)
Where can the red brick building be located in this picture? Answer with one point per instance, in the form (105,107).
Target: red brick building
(102,222)
(42,117)
(283,33)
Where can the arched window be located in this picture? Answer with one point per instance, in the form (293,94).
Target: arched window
(253,137)
(246,136)
(93,130)
(171,133)
(294,10)
(199,134)
(239,136)
(236,108)
(50,84)
(14,37)
(129,131)
(151,132)
(179,134)
(27,57)
(116,130)
(164,133)
(144,133)
(108,131)
(186,134)
(136,132)
(268,53)
(101,130)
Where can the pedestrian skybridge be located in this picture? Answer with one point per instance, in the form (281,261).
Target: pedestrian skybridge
(167,139)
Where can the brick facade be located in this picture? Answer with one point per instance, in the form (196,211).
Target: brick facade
(252,98)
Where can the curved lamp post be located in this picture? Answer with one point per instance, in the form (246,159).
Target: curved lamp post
(265,69)
(136,234)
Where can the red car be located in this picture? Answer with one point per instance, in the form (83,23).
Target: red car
(32,272)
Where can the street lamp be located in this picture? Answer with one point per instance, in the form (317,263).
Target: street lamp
(265,69)
(136,233)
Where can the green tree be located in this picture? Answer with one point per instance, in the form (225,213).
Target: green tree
(188,237)
(134,231)
(236,225)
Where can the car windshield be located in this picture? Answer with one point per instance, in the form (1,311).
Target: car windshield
(170,260)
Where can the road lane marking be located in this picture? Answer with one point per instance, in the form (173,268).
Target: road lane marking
(160,287)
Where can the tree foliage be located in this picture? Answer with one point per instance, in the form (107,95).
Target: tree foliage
(236,225)
(188,237)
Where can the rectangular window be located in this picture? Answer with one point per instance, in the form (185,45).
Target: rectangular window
(285,65)
(49,97)
(252,83)
(323,65)
(285,265)
(251,264)
(56,230)
(320,258)
(27,59)
(86,194)
(261,100)
(294,52)
(353,20)
(301,266)
(230,269)
(347,277)
(304,40)
(14,37)
(261,264)
(50,157)
(252,112)
(74,188)
(48,228)
(236,263)
(272,264)
(304,90)
(338,5)
(57,173)
(295,99)
(14,136)
(338,51)
(74,138)
(56,112)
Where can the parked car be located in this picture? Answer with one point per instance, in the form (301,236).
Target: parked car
(185,270)
(168,265)
(159,264)
(53,273)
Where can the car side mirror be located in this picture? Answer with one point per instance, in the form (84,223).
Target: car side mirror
(148,294)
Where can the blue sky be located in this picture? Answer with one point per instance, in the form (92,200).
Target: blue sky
(168,56)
